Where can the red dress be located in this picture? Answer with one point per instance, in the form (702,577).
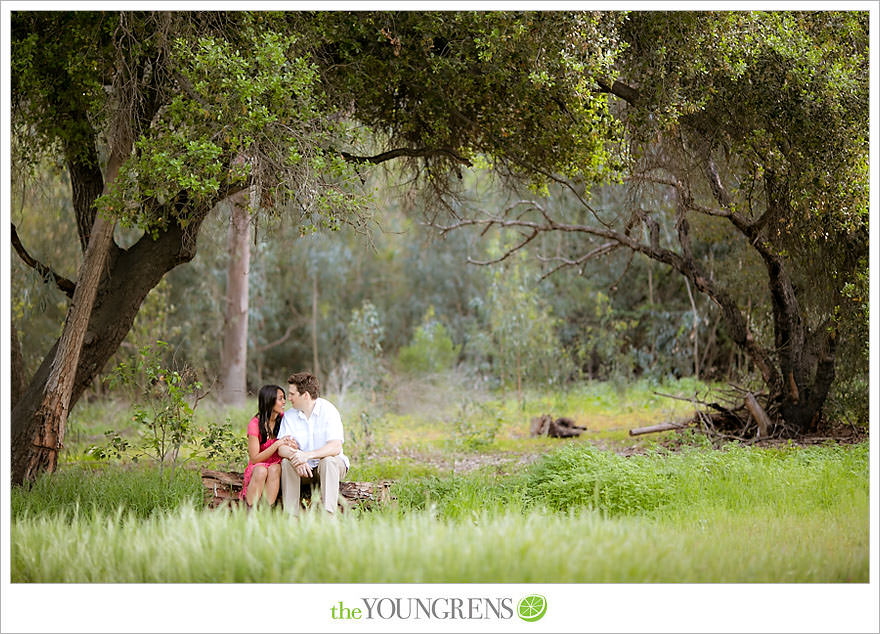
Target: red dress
(254,430)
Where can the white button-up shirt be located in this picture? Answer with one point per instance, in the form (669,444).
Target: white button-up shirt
(314,432)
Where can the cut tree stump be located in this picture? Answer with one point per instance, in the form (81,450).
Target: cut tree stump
(221,488)
(544,425)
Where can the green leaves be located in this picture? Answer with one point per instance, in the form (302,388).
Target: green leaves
(164,417)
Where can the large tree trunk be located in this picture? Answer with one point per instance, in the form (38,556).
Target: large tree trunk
(51,417)
(131,275)
(806,358)
(233,356)
(803,372)
(49,420)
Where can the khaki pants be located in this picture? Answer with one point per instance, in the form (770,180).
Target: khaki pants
(330,471)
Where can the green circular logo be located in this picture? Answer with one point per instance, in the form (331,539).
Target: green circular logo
(532,608)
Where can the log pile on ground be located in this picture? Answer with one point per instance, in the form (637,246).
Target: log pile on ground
(739,416)
(221,488)
(545,425)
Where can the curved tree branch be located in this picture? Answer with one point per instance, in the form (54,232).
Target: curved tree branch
(64,285)
(599,251)
(507,253)
(279,341)
(410,152)
(684,264)
(619,89)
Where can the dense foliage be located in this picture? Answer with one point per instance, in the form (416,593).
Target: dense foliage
(740,140)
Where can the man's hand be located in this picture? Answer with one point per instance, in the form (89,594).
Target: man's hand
(299,458)
(301,463)
(290,441)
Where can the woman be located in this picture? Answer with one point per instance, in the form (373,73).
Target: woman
(263,474)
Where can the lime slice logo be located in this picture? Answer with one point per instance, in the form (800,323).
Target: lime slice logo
(532,608)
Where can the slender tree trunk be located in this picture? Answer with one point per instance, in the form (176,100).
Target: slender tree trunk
(233,358)
(16,363)
(316,367)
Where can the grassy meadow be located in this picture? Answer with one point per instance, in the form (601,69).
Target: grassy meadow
(477,500)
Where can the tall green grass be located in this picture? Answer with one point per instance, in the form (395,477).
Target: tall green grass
(788,481)
(792,480)
(78,491)
(188,545)
(580,514)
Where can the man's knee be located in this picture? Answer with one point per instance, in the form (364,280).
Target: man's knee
(333,463)
(326,463)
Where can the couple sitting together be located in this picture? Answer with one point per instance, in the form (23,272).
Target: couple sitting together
(303,445)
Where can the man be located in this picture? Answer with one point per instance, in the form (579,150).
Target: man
(317,427)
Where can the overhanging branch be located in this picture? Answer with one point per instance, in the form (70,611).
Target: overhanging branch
(619,89)
(683,263)
(408,152)
(65,285)
(599,251)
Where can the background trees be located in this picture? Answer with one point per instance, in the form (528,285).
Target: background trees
(742,138)
(211,104)
(751,132)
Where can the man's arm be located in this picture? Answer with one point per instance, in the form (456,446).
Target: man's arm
(332,448)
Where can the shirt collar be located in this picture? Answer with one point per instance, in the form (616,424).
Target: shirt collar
(315,410)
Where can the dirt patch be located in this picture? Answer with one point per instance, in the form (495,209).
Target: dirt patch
(505,463)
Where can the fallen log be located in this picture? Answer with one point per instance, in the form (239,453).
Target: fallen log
(658,428)
(544,425)
(221,488)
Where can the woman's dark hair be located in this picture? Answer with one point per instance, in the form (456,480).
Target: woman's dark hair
(265,402)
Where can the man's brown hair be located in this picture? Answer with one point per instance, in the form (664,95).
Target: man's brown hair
(305,382)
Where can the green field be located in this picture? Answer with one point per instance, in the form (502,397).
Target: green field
(599,508)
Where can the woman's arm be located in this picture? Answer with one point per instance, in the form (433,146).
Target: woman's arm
(254,452)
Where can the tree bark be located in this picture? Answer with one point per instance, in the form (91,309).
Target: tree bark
(233,357)
(806,358)
(16,363)
(316,368)
(50,418)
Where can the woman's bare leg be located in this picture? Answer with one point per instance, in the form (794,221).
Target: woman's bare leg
(273,483)
(255,486)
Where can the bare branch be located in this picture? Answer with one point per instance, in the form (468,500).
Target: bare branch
(507,253)
(604,249)
(686,196)
(278,341)
(64,285)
